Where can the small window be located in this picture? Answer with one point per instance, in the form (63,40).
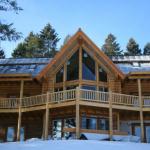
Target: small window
(103,89)
(103,124)
(88,87)
(89,123)
(58,89)
(102,75)
(59,75)
(69,123)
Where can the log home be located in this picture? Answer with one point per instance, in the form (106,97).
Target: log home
(80,90)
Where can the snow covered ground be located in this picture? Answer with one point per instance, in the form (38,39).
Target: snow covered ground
(73,145)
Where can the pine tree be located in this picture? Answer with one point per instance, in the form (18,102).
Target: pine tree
(147,49)
(31,47)
(111,47)
(20,51)
(132,48)
(50,39)
(2,54)
(7,32)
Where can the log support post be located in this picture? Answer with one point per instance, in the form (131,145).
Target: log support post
(46,118)
(110,116)
(20,113)
(77,113)
(141,109)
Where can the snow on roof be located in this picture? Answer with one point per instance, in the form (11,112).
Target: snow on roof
(129,64)
(142,58)
(31,66)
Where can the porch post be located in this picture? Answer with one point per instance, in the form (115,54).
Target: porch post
(46,118)
(141,109)
(77,113)
(20,113)
(110,116)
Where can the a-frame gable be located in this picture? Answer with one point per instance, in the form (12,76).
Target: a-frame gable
(78,39)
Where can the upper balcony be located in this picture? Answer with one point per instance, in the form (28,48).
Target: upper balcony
(69,97)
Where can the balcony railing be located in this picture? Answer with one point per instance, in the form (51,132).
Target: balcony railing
(72,95)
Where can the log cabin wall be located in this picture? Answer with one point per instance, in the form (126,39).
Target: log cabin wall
(12,88)
(32,122)
(131,87)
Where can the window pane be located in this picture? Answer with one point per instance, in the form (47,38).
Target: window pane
(73,67)
(22,138)
(71,87)
(70,123)
(88,67)
(58,89)
(59,75)
(87,87)
(89,123)
(57,127)
(103,124)
(103,89)
(102,75)
(10,134)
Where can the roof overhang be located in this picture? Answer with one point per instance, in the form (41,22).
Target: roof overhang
(139,75)
(15,77)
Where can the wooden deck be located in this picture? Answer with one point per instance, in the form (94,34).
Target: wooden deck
(68,97)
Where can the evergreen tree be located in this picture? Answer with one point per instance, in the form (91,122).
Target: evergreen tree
(132,48)
(2,54)
(111,47)
(50,38)
(7,32)
(147,49)
(31,47)
(20,51)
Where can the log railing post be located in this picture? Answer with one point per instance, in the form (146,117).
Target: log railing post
(141,110)
(110,116)
(20,113)
(77,113)
(47,117)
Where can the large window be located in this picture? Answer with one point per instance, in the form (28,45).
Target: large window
(102,75)
(89,123)
(73,67)
(59,75)
(88,67)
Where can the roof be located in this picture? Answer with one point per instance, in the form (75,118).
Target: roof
(31,66)
(77,36)
(129,64)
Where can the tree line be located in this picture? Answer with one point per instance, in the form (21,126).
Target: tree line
(44,43)
(112,48)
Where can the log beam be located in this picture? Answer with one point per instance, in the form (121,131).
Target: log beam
(20,112)
(141,109)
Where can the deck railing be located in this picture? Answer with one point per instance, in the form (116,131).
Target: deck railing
(70,95)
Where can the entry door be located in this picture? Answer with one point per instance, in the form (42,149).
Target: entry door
(148,134)
(57,129)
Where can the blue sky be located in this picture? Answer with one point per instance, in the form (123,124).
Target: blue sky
(97,18)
